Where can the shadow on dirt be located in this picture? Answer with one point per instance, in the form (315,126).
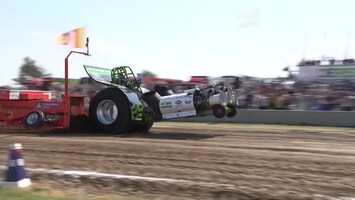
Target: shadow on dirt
(81,127)
(148,135)
(171,135)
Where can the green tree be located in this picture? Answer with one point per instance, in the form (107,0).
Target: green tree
(147,73)
(30,68)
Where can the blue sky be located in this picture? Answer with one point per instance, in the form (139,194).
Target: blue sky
(176,39)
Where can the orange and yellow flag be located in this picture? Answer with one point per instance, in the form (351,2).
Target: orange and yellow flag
(74,38)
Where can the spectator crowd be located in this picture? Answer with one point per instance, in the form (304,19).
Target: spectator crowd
(281,95)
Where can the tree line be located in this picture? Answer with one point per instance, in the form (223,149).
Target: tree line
(30,68)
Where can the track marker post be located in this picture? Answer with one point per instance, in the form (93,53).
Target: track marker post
(15,174)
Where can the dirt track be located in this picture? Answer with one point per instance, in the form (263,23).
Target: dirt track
(218,161)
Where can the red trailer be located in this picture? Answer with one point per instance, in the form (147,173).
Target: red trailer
(21,109)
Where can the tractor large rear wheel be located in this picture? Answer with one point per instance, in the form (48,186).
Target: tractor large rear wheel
(110,111)
(142,127)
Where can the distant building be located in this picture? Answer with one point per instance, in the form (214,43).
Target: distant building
(326,69)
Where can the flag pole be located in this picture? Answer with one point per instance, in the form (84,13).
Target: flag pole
(66,99)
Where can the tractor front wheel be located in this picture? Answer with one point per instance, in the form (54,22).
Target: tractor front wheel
(233,110)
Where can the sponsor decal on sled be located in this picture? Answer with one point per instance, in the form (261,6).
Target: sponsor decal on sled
(47,105)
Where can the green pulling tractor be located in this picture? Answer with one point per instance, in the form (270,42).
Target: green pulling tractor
(124,106)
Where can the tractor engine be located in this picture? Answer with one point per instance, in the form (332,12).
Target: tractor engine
(218,100)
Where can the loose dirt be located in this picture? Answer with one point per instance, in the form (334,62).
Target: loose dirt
(210,161)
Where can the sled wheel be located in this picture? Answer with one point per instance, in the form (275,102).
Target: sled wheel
(110,111)
(219,111)
(34,119)
(233,110)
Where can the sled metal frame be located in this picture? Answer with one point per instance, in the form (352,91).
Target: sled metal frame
(66,98)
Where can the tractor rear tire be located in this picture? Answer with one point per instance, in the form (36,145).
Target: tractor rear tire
(110,111)
(143,127)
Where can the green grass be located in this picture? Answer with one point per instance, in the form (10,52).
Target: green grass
(47,193)
(27,194)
